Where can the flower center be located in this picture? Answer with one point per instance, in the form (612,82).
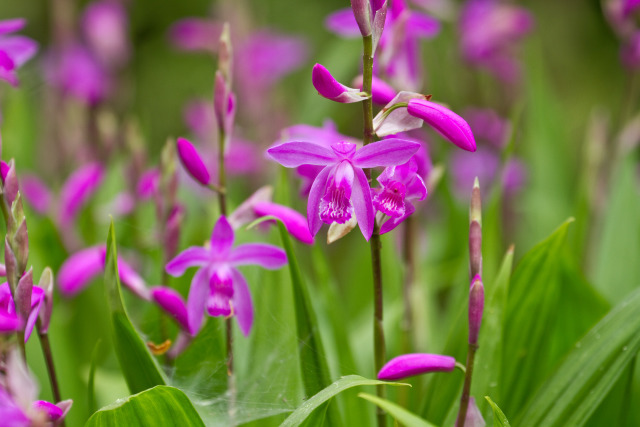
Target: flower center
(221,293)
(335,205)
(390,199)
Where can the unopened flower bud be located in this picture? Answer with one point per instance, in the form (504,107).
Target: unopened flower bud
(10,182)
(447,123)
(476,307)
(46,284)
(362,13)
(328,87)
(21,248)
(409,365)
(224,105)
(11,263)
(225,53)
(172,236)
(23,294)
(475,207)
(192,161)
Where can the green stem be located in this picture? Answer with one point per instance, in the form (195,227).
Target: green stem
(48,357)
(376,266)
(466,388)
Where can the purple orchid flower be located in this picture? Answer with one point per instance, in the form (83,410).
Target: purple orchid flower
(218,286)
(14,50)
(11,320)
(105,27)
(83,266)
(489,32)
(412,364)
(328,87)
(341,188)
(399,185)
(192,161)
(18,393)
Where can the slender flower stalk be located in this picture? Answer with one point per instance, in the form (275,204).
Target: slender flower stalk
(379,346)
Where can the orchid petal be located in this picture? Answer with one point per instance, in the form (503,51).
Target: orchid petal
(221,238)
(171,301)
(197,299)
(77,190)
(79,269)
(195,256)
(398,120)
(192,161)
(388,152)
(148,184)
(315,197)
(9,322)
(294,154)
(362,204)
(132,280)
(423,26)
(409,365)
(392,223)
(245,213)
(12,25)
(343,23)
(37,299)
(295,223)
(328,87)
(242,303)
(36,193)
(19,48)
(261,254)
(52,411)
(450,125)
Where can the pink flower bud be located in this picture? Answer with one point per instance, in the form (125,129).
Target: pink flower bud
(447,123)
(409,365)
(328,87)
(362,13)
(476,307)
(192,162)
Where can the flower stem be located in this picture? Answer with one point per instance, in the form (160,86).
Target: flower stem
(368,134)
(466,388)
(48,357)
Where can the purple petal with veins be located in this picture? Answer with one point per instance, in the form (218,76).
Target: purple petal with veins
(293,154)
(242,303)
(194,256)
(388,152)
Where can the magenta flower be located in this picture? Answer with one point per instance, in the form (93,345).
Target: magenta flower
(412,364)
(341,188)
(14,50)
(328,87)
(399,185)
(193,34)
(148,184)
(77,190)
(218,286)
(18,393)
(105,27)
(447,123)
(9,316)
(192,161)
(83,266)
(489,33)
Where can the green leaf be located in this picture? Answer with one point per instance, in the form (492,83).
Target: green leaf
(488,362)
(401,415)
(138,366)
(589,372)
(344,383)
(540,326)
(160,405)
(91,391)
(312,356)
(499,419)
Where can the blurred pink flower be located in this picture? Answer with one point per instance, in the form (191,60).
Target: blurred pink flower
(105,27)
(14,50)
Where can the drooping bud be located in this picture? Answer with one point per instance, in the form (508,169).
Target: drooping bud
(10,182)
(192,161)
(475,231)
(328,87)
(46,284)
(447,123)
(409,365)
(476,308)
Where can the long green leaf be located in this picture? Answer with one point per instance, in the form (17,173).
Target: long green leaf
(401,415)
(499,418)
(589,372)
(312,356)
(138,366)
(299,415)
(160,405)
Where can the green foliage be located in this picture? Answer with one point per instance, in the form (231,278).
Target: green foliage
(160,405)
(138,366)
(499,418)
(401,415)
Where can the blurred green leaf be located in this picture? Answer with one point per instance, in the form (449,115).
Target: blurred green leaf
(310,405)
(589,372)
(540,326)
(499,419)
(91,391)
(138,366)
(400,414)
(489,357)
(160,405)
